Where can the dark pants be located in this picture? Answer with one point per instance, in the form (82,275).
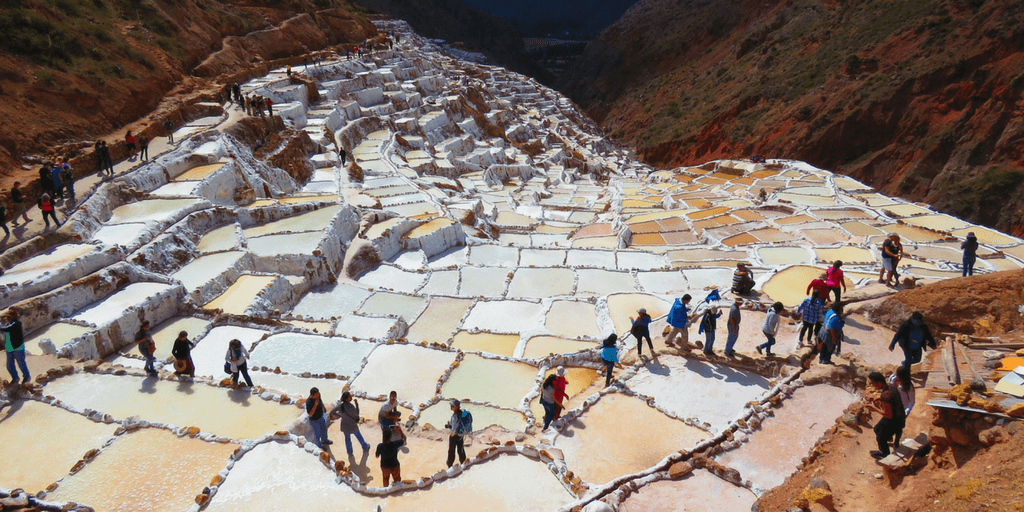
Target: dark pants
(455,443)
(911,356)
(836,290)
(244,370)
(825,356)
(640,342)
(549,412)
(811,330)
(144,153)
(969,265)
(3,224)
(609,366)
(885,429)
(52,214)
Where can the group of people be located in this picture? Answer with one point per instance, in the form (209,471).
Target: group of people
(252,104)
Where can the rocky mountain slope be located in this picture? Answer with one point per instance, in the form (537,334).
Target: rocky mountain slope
(920,99)
(78,69)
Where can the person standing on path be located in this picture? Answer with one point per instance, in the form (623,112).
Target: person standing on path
(901,383)
(893,420)
(45,179)
(708,325)
(270,107)
(742,282)
(547,400)
(67,177)
(317,419)
(913,337)
(147,347)
(108,163)
(46,206)
(14,345)
(811,311)
(970,248)
(770,328)
(642,329)
(834,279)
(389,414)
(678,318)
(892,251)
(58,187)
(733,327)
(129,141)
(3,221)
(387,451)
(832,335)
(236,358)
(18,201)
(182,352)
(349,411)
(460,424)
(169,128)
(610,356)
(343,154)
(144,148)
(560,384)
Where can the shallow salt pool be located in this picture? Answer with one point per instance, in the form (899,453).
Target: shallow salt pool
(58,332)
(700,492)
(536,283)
(241,294)
(151,210)
(220,239)
(489,380)
(500,344)
(503,316)
(331,301)
(297,353)
(113,307)
(209,353)
(47,262)
(572,319)
(439,321)
(421,368)
(206,268)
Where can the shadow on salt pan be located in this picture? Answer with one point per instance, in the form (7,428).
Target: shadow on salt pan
(119,234)
(724,391)
(297,353)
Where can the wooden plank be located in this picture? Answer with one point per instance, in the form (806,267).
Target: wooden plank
(949,362)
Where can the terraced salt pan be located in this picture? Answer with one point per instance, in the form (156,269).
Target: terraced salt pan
(437,323)
(316,220)
(206,268)
(700,492)
(298,387)
(331,301)
(151,210)
(542,346)
(239,415)
(383,303)
(621,306)
(208,354)
(113,307)
(297,353)
(421,368)
(500,344)
(790,285)
(393,278)
(603,282)
(483,281)
(366,327)
(724,390)
(58,332)
(707,278)
(599,259)
(175,189)
(284,244)
(776,256)
(452,257)
(987,236)
(805,200)
(122,477)
(503,316)
(49,261)
(639,260)
(119,234)
(664,283)
(493,255)
(199,173)
(40,443)
(441,282)
(604,425)
(580,383)
(483,416)
(220,239)
(572,319)
(489,380)
(536,283)
(797,425)
(241,294)
(847,254)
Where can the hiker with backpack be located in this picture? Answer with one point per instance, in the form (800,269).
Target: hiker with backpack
(147,347)
(913,336)
(460,425)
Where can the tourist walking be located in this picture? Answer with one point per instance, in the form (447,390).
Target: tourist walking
(147,347)
(107,165)
(58,187)
(678,319)
(834,279)
(889,405)
(3,221)
(235,359)
(560,384)
(46,206)
(732,326)
(45,179)
(708,324)
(169,128)
(143,148)
(641,329)
(892,251)
(129,142)
(913,337)
(349,411)
(901,383)
(18,202)
(182,352)
(811,312)
(270,106)
(770,328)
(342,154)
(14,345)
(970,248)
(460,425)
(547,399)
(610,356)
(67,177)
(317,419)
(831,336)
(387,452)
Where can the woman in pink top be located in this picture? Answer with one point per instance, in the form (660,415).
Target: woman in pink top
(834,278)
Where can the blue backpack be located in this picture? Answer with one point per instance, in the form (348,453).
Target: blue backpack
(465,423)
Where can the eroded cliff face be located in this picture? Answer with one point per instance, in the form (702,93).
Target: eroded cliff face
(920,99)
(76,70)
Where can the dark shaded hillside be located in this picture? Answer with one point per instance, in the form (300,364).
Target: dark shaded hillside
(565,18)
(919,98)
(454,21)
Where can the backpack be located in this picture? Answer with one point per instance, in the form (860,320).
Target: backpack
(466,423)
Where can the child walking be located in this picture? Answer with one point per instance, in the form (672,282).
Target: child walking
(770,328)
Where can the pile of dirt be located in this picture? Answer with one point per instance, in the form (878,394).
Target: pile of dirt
(981,305)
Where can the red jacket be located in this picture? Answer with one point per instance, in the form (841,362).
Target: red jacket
(823,289)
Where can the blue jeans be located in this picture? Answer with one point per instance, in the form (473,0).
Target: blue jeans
(767,346)
(319,431)
(19,356)
(348,441)
(969,265)
(730,340)
(709,344)
(549,412)
(150,360)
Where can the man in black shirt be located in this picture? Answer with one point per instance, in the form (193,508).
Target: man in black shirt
(387,451)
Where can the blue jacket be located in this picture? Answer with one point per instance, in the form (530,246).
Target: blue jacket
(678,315)
(610,354)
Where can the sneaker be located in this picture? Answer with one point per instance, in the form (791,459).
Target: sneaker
(366,447)
(875,454)
(26,380)
(730,354)
(882,281)
(759,350)
(328,442)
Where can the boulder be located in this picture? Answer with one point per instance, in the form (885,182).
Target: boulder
(679,470)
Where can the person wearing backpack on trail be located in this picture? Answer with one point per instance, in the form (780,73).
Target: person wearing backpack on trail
(460,425)
(830,338)
(913,336)
(146,346)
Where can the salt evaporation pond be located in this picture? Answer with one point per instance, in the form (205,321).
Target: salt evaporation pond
(297,353)
(40,443)
(315,220)
(542,346)
(499,344)
(573,319)
(286,243)
(58,332)
(119,234)
(239,415)
(699,492)
(112,308)
(439,321)
(503,316)
(241,294)
(331,301)
(152,210)
(46,262)
(439,414)
(421,370)
(204,269)
(501,383)
(149,469)
(220,239)
(209,353)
